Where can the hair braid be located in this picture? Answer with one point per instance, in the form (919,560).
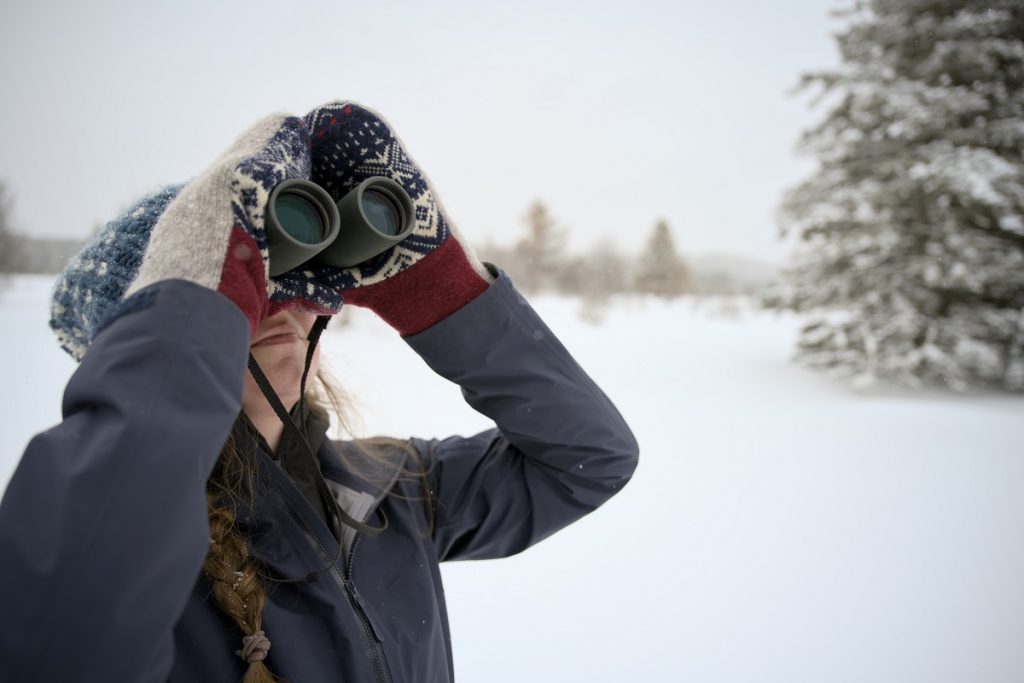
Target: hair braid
(236,586)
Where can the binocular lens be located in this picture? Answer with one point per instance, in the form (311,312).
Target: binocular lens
(305,224)
(300,218)
(382,213)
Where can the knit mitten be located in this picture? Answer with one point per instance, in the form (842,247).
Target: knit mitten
(428,275)
(209,231)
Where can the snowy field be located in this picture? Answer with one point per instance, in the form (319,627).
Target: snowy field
(780,527)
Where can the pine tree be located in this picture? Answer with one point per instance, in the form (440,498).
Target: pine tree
(541,253)
(660,270)
(912,264)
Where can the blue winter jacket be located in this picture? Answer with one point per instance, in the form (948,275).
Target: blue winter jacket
(104,530)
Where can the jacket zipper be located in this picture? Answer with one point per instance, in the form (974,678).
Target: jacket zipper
(369,630)
(355,601)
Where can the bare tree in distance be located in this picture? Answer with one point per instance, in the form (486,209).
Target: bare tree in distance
(10,246)
(595,277)
(539,255)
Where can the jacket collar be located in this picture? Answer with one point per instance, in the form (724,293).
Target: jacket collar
(312,424)
(343,462)
(357,480)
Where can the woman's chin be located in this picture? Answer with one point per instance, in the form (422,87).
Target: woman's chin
(283,369)
(283,365)
(287,390)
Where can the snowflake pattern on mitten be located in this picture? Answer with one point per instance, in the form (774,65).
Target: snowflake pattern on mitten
(429,274)
(351,143)
(255,179)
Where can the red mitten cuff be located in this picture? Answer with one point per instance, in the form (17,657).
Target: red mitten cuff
(243,276)
(429,291)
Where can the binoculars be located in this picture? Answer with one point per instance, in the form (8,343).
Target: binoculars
(304,224)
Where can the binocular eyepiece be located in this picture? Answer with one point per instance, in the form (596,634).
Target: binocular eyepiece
(304,224)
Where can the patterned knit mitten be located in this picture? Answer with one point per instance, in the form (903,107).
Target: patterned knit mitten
(209,231)
(428,275)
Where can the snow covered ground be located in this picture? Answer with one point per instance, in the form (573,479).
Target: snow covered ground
(780,527)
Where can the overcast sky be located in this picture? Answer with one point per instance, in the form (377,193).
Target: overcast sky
(613,113)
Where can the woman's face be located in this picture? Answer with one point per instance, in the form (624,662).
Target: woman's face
(279,347)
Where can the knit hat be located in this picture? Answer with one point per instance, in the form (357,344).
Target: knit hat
(94,281)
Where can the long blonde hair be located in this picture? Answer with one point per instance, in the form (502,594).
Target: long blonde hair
(237,587)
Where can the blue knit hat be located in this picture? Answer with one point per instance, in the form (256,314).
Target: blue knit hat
(94,281)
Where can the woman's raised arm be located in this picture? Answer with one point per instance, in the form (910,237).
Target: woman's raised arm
(560,448)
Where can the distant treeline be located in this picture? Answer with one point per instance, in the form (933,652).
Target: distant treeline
(40,255)
(538,262)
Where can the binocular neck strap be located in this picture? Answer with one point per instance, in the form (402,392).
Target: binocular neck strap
(313,338)
(339,515)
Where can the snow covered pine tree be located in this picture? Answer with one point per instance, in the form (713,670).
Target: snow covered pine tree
(912,229)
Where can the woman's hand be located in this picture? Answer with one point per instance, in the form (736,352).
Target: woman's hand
(430,274)
(209,231)
(213,232)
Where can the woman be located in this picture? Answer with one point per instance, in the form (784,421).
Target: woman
(188,521)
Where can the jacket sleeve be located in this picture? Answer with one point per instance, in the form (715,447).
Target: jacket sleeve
(560,448)
(103,527)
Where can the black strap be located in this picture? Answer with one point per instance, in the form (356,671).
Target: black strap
(313,338)
(339,515)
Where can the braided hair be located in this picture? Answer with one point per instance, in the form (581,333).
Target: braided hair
(234,575)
